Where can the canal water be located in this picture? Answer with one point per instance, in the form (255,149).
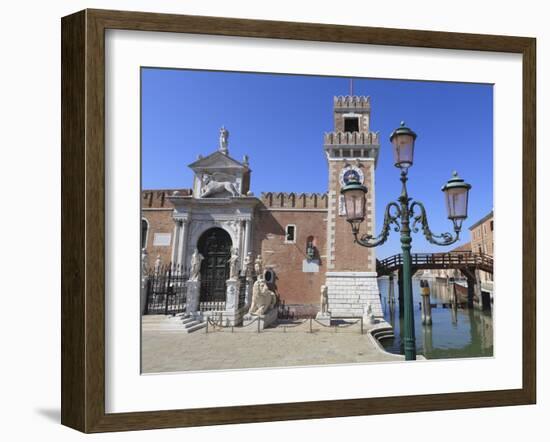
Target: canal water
(454,333)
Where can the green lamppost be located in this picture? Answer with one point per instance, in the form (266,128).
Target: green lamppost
(401,213)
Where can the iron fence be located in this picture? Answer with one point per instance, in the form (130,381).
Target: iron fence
(166,290)
(211,306)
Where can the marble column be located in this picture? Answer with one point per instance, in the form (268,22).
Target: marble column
(182,243)
(247,235)
(175,242)
(243,246)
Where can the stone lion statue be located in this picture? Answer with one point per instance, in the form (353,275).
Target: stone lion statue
(263,299)
(214,185)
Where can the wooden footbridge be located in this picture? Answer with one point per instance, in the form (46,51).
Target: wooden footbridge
(465,262)
(468,263)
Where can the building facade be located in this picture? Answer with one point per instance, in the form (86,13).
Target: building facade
(481,235)
(481,241)
(303,239)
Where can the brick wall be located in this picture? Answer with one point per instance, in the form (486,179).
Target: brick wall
(287,259)
(157,210)
(160,222)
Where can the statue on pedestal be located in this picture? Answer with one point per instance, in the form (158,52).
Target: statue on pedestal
(259,267)
(224,137)
(196,261)
(370,314)
(248,264)
(234,264)
(324,300)
(157,264)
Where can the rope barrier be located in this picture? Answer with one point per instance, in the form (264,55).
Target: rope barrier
(217,325)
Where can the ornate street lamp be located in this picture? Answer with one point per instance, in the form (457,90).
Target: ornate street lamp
(400,214)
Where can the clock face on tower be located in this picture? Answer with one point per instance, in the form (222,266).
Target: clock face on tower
(351,174)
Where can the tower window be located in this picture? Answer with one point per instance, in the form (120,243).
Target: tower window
(351,124)
(290,233)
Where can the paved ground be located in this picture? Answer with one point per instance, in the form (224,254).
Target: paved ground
(174,351)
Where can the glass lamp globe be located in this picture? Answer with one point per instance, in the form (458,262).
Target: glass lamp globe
(402,140)
(456,198)
(355,203)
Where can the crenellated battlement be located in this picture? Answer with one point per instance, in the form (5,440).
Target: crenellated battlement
(158,199)
(284,200)
(351,138)
(351,102)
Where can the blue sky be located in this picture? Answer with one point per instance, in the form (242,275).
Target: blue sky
(279,121)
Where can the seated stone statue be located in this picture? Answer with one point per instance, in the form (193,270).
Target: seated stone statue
(263,299)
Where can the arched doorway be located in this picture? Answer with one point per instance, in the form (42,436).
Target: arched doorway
(215,246)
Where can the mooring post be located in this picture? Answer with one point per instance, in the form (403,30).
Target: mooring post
(471,280)
(426,305)
(454,299)
(454,303)
(477,289)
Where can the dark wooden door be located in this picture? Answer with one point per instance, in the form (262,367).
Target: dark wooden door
(215,246)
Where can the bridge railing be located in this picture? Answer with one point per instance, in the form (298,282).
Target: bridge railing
(450,259)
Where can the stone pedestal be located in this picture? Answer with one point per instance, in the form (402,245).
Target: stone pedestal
(193,289)
(265,320)
(323,318)
(350,293)
(232,295)
(232,315)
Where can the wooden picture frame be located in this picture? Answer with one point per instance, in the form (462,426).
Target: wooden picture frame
(83,220)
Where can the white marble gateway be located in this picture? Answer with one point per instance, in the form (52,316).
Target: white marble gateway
(220,199)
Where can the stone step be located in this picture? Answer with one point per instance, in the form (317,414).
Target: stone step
(384,335)
(187,320)
(153,318)
(163,327)
(177,323)
(194,327)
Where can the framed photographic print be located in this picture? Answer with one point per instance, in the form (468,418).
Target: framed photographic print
(268,220)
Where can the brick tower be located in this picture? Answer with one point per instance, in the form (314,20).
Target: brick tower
(351,151)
